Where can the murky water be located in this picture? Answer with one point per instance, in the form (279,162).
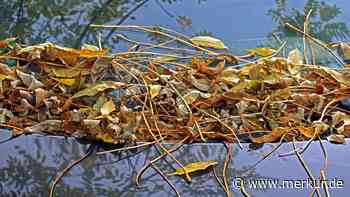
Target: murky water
(29,163)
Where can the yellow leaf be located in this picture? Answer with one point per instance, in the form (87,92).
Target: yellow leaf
(295,57)
(194,167)
(67,82)
(107,108)
(105,137)
(3,77)
(154,90)
(263,52)
(275,134)
(208,42)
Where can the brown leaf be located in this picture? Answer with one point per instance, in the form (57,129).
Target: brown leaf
(274,135)
(308,132)
(336,139)
(40,95)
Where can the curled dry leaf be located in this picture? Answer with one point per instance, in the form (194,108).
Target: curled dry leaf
(29,80)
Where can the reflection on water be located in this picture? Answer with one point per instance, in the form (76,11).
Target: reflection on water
(31,162)
(28,164)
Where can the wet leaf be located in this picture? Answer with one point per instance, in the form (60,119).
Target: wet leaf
(208,42)
(194,167)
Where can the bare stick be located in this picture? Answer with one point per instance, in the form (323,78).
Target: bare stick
(147,165)
(307,170)
(227,161)
(165,179)
(218,180)
(268,154)
(67,168)
(142,28)
(125,148)
(300,150)
(305,39)
(243,190)
(324,183)
(318,42)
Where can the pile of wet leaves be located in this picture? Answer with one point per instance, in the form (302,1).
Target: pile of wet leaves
(179,89)
(203,95)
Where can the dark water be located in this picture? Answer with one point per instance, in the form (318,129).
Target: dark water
(28,164)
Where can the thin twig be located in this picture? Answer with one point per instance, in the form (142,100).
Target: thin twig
(226,164)
(305,39)
(147,165)
(318,42)
(126,148)
(126,16)
(307,170)
(67,168)
(165,179)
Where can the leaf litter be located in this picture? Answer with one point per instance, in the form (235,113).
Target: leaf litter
(198,94)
